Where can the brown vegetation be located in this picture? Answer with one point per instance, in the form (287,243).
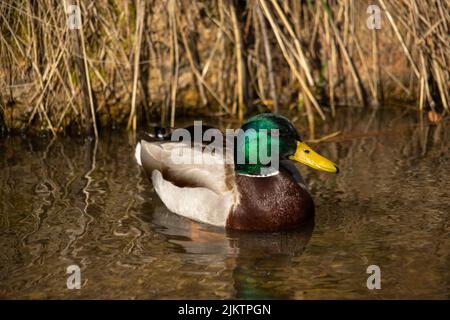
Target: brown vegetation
(134,61)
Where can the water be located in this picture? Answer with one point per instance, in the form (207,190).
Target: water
(67,202)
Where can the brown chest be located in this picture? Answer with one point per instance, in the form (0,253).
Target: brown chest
(270,203)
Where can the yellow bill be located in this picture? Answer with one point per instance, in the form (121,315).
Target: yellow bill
(304,154)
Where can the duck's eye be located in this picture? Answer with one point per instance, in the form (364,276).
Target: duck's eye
(306,151)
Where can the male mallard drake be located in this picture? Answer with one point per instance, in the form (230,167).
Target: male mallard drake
(238,188)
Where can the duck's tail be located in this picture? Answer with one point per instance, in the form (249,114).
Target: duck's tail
(137,154)
(164,134)
(156,134)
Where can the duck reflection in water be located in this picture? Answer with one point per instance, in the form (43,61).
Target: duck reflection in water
(258,260)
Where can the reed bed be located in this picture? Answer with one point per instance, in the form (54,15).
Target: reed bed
(134,62)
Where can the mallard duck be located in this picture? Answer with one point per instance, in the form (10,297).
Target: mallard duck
(225,191)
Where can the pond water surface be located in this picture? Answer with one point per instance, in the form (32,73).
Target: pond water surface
(68,201)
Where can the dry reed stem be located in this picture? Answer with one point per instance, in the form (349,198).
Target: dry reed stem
(239,61)
(175,58)
(137,50)
(92,121)
(268,54)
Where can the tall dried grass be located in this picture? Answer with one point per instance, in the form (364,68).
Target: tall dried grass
(134,61)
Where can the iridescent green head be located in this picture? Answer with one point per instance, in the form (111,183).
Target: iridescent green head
(266,139)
